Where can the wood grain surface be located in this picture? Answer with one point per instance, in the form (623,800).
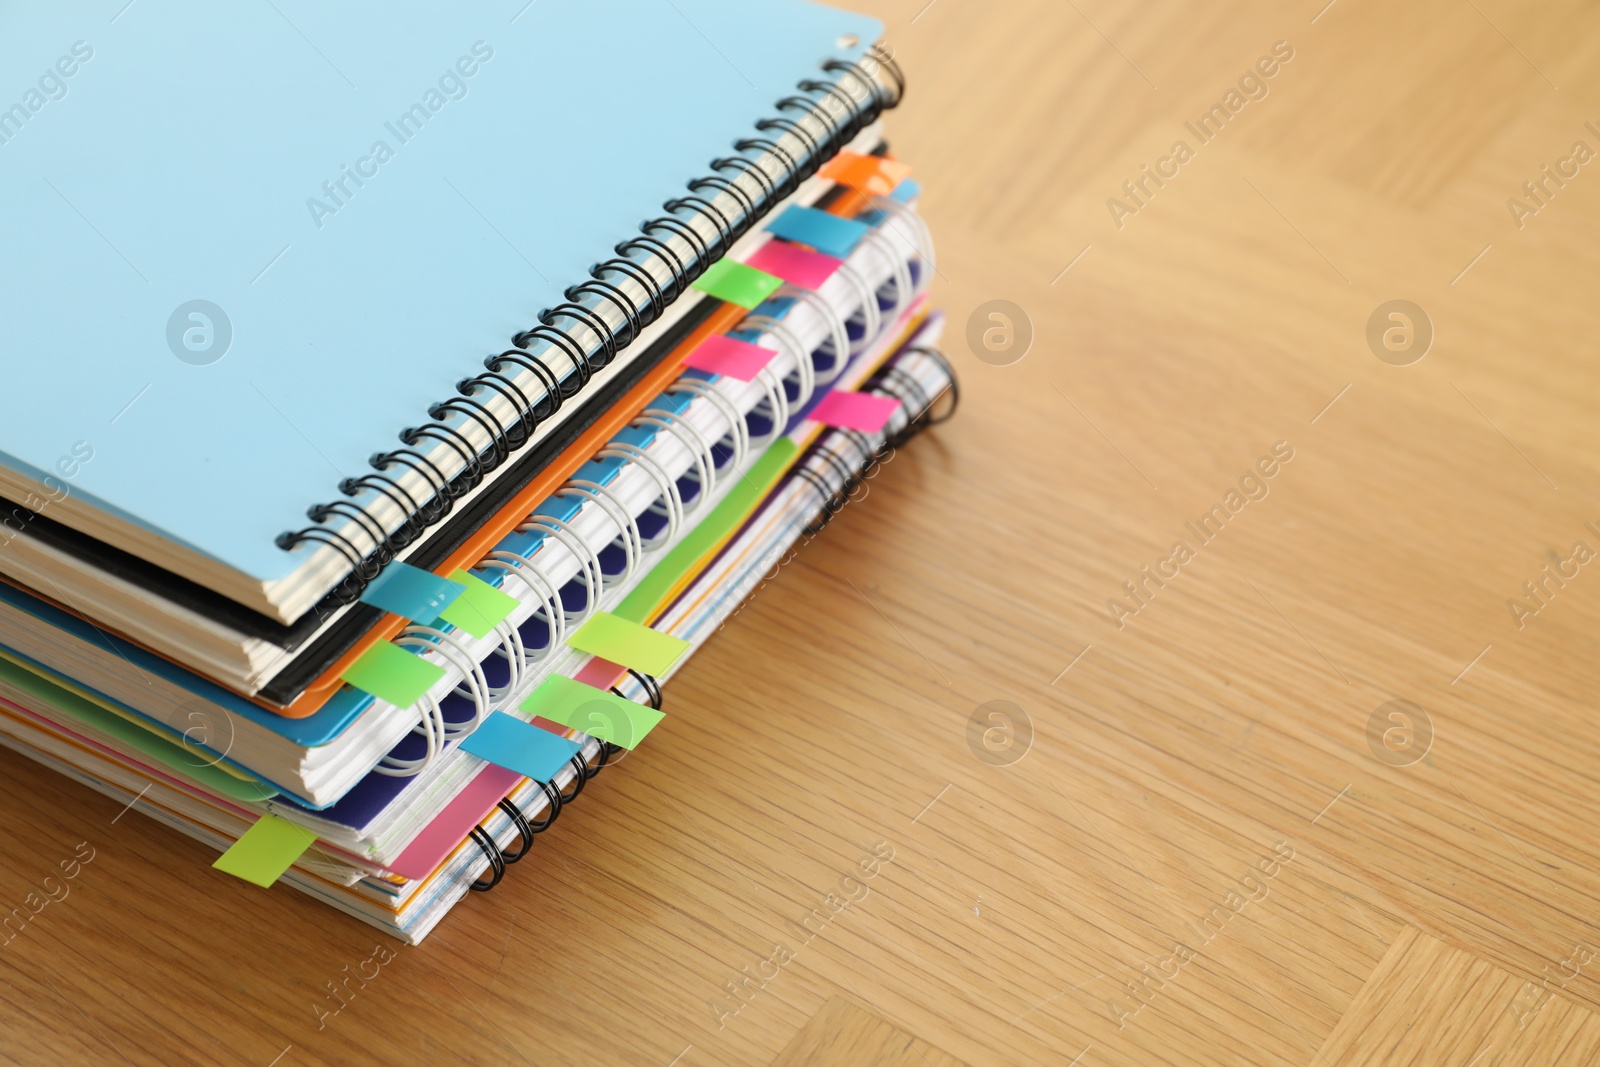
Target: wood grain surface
(1203,833)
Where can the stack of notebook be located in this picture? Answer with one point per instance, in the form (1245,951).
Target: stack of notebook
(370,463)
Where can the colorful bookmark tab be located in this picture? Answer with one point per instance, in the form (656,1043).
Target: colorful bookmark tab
(600,672)
(390,673)
(265,851)
(795,265)
(629,644)
(729,356)
(595,712)
(866,412)
(906,191)
(736,283)
(873,175)
(508,742)
(410,592)
(827,233)
(480,607)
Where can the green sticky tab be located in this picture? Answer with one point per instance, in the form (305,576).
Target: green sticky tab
(265,851)
(628,644)
(595,712)
(736,283)
(480,609)
(390,673)
(711,532)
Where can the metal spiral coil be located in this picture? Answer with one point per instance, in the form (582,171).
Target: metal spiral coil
(738,435)
(827,103)
(496,858)
(891,380)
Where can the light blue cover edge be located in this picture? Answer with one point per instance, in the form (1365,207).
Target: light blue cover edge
(310,732)
(178,162)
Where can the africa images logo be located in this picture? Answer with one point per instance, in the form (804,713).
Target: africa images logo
(199,332)
(51,86)
(337,192)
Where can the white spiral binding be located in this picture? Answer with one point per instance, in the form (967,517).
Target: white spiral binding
(738,434)
(704,471)
(627,526)
(705,460)
(671,501)
(428,639)
(431,725)
(904,291)
(871,314)
(512,650)
(805,373)
(555,616)
(777,401)
(923,242)
(594,579)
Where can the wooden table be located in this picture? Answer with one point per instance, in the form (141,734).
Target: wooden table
(1220,846)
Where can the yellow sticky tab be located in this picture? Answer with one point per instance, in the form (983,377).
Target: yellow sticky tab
(265,851)
(629,644)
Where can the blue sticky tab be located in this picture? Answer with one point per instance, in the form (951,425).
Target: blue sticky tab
(410,592)
(600,471)
(637,436)
(561,508)
(676,403)
(826,233)
(521,544)
(906,191)
(519,746)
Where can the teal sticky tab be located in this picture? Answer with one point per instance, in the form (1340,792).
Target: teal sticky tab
(637,436)
(265,851)
(825,232)
(602,715)
(600,471)
(560,508)
(390,673)
(532,752)
(410,592)
(906,191)
(738,284)
(521,544)
(479,608)
(675,403)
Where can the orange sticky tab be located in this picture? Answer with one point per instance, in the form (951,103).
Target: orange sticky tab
(870,174)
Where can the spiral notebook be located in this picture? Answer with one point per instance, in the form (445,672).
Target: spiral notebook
(323,219)
(288,667)
(693,438)
(487,828)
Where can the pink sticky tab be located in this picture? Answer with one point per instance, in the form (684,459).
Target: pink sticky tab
(721,354)
(855,411)
(795,265)
(600,673)
(451,826)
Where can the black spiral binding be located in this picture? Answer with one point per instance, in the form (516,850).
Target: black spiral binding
(894,381)
(497,860)
(527,829)
(652,696)
(843,116)
(891,380)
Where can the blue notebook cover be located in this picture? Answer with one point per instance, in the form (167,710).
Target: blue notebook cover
(358,201)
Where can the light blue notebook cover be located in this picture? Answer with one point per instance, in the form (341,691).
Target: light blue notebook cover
(157,153)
